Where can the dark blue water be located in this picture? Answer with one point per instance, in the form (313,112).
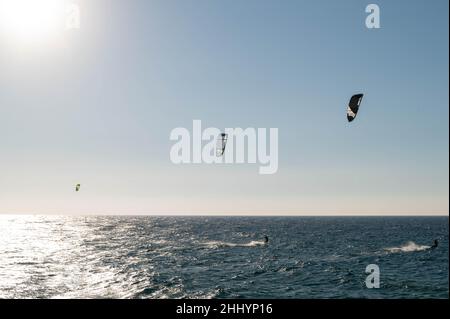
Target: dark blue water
(221,257)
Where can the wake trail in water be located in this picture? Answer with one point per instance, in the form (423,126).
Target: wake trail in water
(221,244)
(408,247)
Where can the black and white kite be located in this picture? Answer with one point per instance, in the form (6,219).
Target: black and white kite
(221,144)
(353,106)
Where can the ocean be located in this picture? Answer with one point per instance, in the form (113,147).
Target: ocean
(221,257)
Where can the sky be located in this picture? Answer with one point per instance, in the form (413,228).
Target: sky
(96,106)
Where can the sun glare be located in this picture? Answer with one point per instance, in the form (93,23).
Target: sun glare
(31,21)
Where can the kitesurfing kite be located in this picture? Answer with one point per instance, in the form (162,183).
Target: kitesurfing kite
(353,106)
(77,187)
(221,144)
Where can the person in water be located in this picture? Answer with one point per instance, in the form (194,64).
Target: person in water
(435,244)
(266,239)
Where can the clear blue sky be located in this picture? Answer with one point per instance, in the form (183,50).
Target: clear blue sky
(98,105)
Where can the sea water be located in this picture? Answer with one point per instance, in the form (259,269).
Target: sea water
(221,257)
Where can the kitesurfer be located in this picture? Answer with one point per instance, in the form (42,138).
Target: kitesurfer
(435,244)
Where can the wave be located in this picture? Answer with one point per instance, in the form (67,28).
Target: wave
(220,244)
(408,247)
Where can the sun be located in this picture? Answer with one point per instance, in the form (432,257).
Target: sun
(31,21)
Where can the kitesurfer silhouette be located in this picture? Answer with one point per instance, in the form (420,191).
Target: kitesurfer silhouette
(435,244)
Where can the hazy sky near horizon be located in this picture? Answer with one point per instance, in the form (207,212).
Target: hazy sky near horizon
(96,106)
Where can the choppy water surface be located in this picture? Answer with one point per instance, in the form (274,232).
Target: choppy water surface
(221,257)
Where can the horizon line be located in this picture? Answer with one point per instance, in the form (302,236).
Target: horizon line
(228,214)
